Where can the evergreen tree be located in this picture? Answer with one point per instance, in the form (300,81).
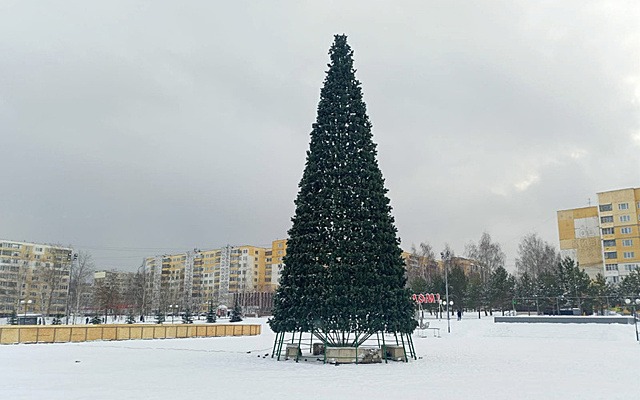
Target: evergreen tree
(526,291)
(501,289)
(211,314)
(343,268)
(549,292)
(418,285)
(13,318)
(601,292)
(573,282)
(131,319)
(630,285)
(187,316)
(236,314)
(458,282)
(475,293)
(159,317)
(436,286)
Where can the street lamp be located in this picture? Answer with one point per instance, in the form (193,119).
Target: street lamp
(25,304)
(633,308)
(445,257)
(174,309)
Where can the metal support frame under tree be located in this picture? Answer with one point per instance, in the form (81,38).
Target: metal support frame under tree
(374,340)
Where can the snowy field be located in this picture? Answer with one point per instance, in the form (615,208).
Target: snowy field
(478,360)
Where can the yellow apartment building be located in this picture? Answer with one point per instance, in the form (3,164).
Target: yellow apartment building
(274,264)
(619,213)
(604,238)
(34,278)
(196,278)
(579,232)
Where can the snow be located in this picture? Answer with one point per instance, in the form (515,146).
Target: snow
(479,359)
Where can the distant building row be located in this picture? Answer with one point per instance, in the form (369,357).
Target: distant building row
(604,238)
(34,277)
(243,274)
(200,277)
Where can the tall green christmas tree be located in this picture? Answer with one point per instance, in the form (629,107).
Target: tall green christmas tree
(343,269)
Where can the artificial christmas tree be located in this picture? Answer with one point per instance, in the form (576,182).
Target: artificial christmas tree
(344,277)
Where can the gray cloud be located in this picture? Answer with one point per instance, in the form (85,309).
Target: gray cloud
(131,129)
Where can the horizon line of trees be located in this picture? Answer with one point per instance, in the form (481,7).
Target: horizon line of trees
(543,282)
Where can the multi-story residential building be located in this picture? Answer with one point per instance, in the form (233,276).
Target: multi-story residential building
(604,238)
(274,265)
(579,232)
(34,277)
(196,278)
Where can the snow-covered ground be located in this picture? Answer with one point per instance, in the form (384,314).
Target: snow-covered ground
(478,360)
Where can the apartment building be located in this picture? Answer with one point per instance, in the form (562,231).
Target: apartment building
(579,232)
(196,278)
(34,278)
(274,265)
(604,238)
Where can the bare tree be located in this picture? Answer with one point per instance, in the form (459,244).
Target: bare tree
(135,290)
(421,266)
(79,285)
(487,254)
(535,256)
(53,280)
(107,296)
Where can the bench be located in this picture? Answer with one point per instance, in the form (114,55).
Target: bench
(424,327)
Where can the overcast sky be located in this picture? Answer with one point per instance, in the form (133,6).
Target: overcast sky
(130,129)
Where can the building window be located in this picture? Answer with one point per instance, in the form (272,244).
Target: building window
(605,207)
(607,231)
(629,254)
(610,254)
(627,242)
(607,219)
(625,230)
(609,243)
(625,218)
(631,267)
(623,206)
(611,267)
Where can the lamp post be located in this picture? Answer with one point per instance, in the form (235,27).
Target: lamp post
(25,304)
(633,308)
(173,308)
(445,257)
